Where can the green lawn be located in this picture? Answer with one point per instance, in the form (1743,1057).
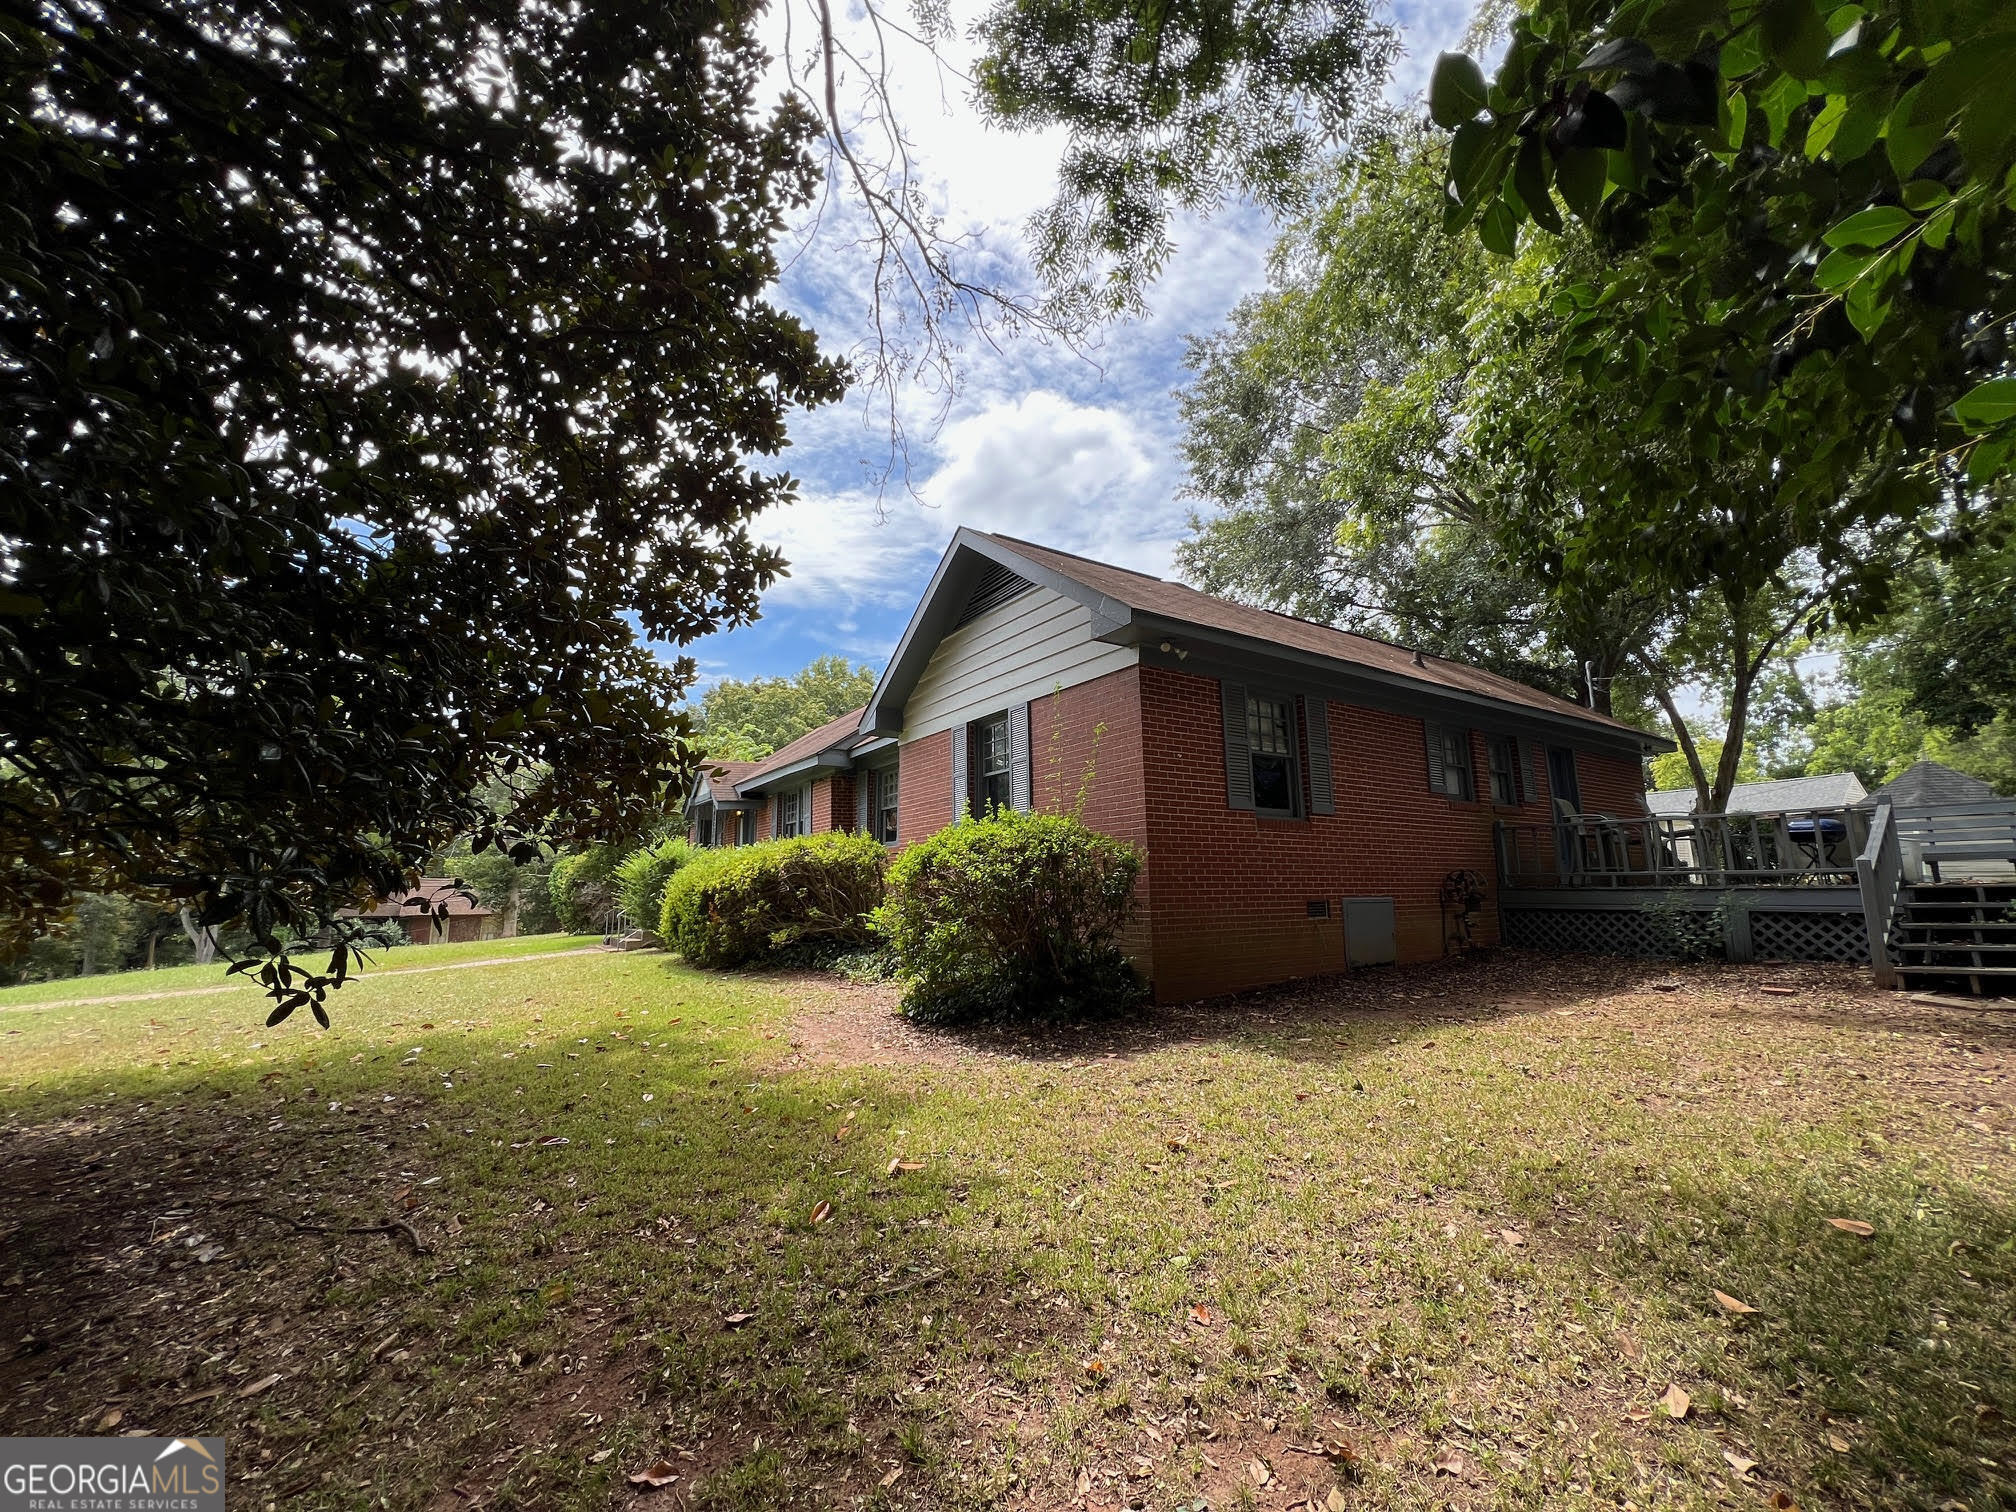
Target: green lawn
(196,978)
(1467,1223)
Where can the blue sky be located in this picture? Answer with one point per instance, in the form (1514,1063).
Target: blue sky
(1076,451)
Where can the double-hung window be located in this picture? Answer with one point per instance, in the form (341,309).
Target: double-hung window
(1449,761)
(1270,745)
(1505,769)
(882,805)
(993,787)
(790,813)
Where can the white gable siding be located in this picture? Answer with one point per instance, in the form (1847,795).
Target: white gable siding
(1019,652)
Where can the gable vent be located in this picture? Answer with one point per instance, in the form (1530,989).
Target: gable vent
(997,585)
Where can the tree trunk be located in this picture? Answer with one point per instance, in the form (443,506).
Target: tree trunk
(201,936)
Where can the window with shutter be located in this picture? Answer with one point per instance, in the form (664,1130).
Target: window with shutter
(1505,774)
(1448,760)
(1270,744)
(1238,767)
(885,805)
(1018,757)
(1316,735)
(962,801)
(993,765)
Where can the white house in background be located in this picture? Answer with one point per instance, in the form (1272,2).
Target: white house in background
(1831,790)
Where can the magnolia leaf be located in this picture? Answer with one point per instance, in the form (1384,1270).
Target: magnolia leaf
(1731,1304)
(1877,226)
(822,1212)
(1796,36)
(1984,405)
(1456,90)
(1499,229)
(1739,1464)
(1581,173)
(1837,1443)
(1675,1401)
(652,1476)
(737,1319)
(1853,1226)
(1925,194)
(1449,1462)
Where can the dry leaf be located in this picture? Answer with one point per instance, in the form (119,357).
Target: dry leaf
(1334,1502)
(1853,1226)
(1095,1369)
(263,1384)
(900,1164)
(841,1132)
(1448,1462)
(1511,1238)
(1738,1463)
(599,1456)
(1084,1483)
(1732,1304)
(822,1212)
(1200,1315)
(1676,1402)
(890,1479)
(657,1473)
(1257,1468)
(1179,1145)
(1781,1501)
(111,1420)
(1780,991)
(1341,1454)
(736,1320)
(1837,1443)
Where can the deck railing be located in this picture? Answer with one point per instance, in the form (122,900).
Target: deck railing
(1879,869)
(1790,848)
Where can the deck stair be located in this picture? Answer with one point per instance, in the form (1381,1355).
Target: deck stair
(1957,936)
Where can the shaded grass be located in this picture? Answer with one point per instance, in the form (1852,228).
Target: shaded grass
(1411,1215)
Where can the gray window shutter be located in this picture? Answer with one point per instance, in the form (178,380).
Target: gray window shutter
(1018,757)
(960,800)
(1431,735)
(1316,722)
(864,785)
(1238,755)
(1528,788)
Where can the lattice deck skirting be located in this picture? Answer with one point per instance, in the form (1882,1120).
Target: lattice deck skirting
(1774,935)
(1809,937)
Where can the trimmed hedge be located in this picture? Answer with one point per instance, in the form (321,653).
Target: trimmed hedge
(754,903)
(582,888)
(644,874)
(1014,916)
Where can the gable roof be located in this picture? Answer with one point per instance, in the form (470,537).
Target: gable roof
(1827,790)
(722,777)
(1132,607)
(1924,783)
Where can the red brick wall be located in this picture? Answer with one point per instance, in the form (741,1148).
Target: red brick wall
(1230,889)
(1610,785)
(923,787)
(833,803)
(766,812)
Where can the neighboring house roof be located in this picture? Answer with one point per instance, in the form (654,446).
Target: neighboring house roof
(1132,607)
(1827,790)
(826,746)
(423,901)
(1924,783)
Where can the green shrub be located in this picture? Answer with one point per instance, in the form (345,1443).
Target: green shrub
(781,899)
(1017,915)
(642,877)
(583,888)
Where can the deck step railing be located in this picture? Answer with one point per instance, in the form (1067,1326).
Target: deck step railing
(1793,847)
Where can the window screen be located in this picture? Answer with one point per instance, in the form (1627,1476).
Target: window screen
(992,783)
(1270,744)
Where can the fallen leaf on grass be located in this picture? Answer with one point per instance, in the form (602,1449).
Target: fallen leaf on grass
(1732,1305)
(1201,1315)
(1448,1462)
(900,1164)
(736,1320)
(1780,991)
(1837,1443)
(262,1384)
(1514,1239)
(599,1456)
(111,1420)
(822,1212)
(1781,1501)
(1179,1145)
(1334,1502)
(1853,1226)
(1738,1463)
(657,1473)
(1676,1402)
(198,1396)
(890,1479)
(1259,1471)
(1095,1370)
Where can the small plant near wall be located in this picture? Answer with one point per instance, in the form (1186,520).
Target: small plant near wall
(1684,930)
(1462,900)
(1014,916)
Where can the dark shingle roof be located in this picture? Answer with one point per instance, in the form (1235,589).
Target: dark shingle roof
(1925,783)
(1828,790)
(834,733)
(723,775)
(1176,601)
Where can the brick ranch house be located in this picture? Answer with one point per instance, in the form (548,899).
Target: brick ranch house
(1298,793)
